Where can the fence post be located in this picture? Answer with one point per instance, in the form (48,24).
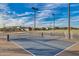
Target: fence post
(8,37)
(51,34)
(42,34)
(72,35)
(66,35)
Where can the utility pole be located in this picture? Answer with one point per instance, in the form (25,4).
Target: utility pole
(69,25)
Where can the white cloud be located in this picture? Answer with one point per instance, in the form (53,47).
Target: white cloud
(44,24)
(3,6)
(17,22)
(23,14)
(29,24)
(64,21)
(54,5)
(6,20)
(75,19)
(14,22)
(48,10)
(44,13)
(51,6)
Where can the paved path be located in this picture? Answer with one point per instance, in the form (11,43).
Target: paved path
(41,46)
(10,49)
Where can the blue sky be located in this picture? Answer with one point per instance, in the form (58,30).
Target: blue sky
(21,14)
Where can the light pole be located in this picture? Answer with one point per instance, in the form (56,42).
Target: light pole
(34,9)
(69,25)
(53,23)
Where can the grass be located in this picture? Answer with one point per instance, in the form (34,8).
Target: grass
(60,32)
(57,31)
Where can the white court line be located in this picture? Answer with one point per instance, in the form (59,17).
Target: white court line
(23,48)
(67,48)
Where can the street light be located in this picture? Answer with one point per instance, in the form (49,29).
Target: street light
(69,27)
(34,9)
(53,23)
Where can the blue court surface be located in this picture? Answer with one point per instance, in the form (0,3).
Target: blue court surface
(41,46)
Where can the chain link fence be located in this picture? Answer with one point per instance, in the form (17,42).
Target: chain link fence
(37,35)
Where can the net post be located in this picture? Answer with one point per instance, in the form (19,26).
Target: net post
(42,34)
(51,34)
(8,39)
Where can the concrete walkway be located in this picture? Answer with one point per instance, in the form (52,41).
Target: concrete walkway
(10,49)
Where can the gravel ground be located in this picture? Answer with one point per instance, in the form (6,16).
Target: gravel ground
(10,49)
(72,51)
